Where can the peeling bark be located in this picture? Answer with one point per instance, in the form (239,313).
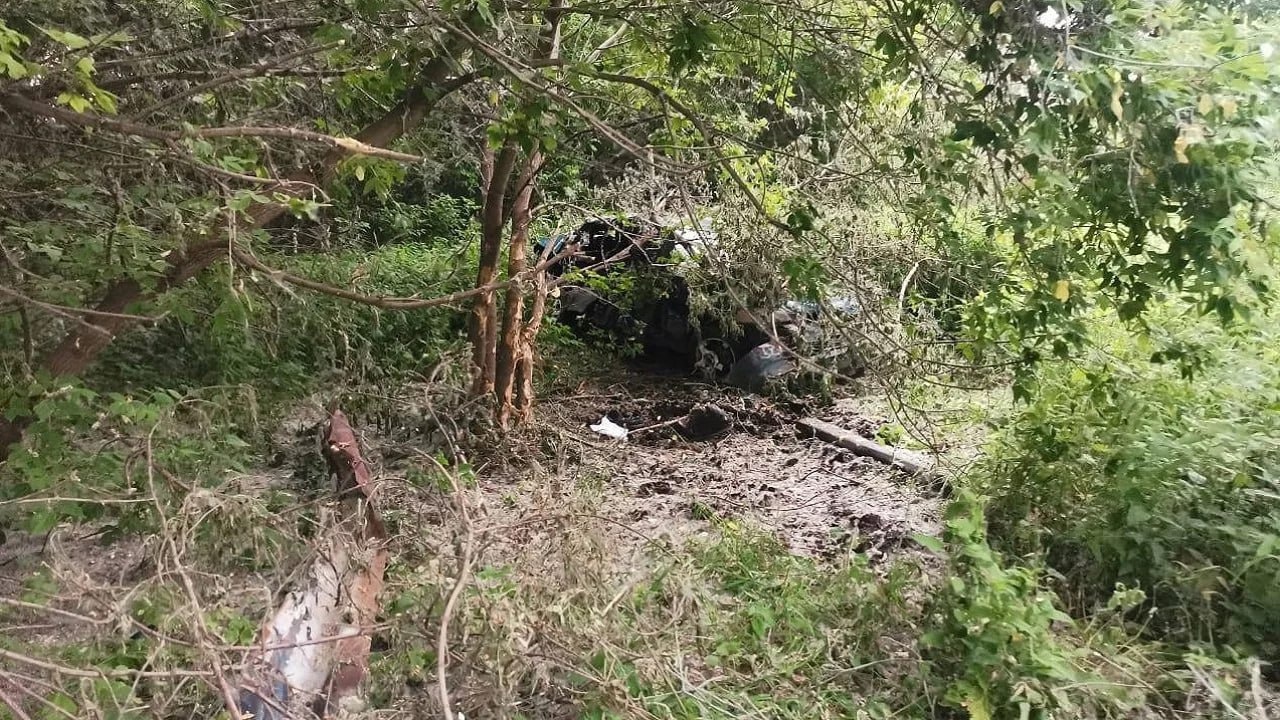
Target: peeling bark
(484,310)
(511,348)
(314,651)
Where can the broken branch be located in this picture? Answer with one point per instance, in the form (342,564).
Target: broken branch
(911,462)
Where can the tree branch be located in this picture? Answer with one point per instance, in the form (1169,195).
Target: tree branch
(233,76)
(248,260)
(346,145)
(708,135)
(70,313)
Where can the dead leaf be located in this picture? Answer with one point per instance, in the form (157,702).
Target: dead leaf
(1116,108)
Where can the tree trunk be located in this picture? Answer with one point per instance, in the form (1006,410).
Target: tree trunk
(484,311)
(511,348)
(84,342)
(528,351)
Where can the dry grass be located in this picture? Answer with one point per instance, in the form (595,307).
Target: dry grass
(527,566)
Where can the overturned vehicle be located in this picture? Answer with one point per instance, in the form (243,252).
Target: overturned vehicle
(626,279)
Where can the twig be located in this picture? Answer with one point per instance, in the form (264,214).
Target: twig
(464,573)
(69,313)
(387,303)
(655,426)
(66,310)
(20,682)
(125,127)
(13,706)
(241,74)
(1212,687)
(902,291)
(95,674)
(202,630)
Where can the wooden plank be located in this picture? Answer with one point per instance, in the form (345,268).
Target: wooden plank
(912,462)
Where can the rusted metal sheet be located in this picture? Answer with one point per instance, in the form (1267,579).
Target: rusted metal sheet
(314,652)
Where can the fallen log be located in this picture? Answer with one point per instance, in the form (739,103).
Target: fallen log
(314,652)
(909,461)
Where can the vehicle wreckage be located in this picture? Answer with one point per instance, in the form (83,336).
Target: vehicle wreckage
(748,350)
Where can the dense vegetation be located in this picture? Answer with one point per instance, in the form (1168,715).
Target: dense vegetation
(1057,219)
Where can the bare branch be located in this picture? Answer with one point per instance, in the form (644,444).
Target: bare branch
(385,302)
(241,74)
(87,120)
(70,313)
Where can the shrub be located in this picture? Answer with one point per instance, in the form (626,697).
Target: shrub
(283,339)
(991,631)
(1159,476)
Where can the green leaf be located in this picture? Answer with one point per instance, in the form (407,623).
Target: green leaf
(928,542)
(79,103)
(691,43)
(11,66)
(70,39)
(105,100)
(118,37)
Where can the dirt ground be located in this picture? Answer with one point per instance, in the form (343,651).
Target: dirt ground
(655,486)
(658,488)
(819,499)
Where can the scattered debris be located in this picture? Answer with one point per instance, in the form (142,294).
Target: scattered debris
(668,327)
(314,652)
(657,487)
(911,462)
(704,421)
(609,428)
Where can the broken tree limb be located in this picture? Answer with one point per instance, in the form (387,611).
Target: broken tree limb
(292,675)
(912,462)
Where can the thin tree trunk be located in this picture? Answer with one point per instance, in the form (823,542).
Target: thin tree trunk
(528,351)
(84,342)
(484,311)
(515,358)
(509,350)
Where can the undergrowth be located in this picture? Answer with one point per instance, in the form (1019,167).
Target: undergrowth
(1158,477)
(1130,568)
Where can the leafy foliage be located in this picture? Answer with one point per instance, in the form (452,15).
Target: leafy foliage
(1158,476)
(995,636)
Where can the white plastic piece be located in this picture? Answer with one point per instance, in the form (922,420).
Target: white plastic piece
(609,428)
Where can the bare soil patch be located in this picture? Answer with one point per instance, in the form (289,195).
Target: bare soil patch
(819,499)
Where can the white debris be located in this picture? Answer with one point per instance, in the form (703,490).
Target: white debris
(609,428)
(1051,18)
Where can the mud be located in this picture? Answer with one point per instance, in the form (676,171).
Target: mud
(820,500)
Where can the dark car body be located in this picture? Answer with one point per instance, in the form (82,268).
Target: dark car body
(661,319)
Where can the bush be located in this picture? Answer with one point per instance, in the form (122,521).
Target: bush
(1161,476)
(439,219)
(991,632)
(282,339)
